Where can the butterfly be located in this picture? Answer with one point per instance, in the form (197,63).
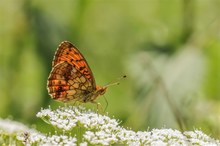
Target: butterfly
(71,78)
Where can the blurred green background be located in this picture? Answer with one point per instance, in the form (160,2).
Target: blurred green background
(169,50)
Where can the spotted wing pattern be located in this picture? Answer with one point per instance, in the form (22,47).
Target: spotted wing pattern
(65,83)
(69,53)
(71,78)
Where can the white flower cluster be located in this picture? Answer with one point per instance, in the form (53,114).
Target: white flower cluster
(102,130)
(40,139)
(95,129)
(30,136)
(9,126)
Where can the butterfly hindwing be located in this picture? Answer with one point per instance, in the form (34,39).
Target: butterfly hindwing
(66,83)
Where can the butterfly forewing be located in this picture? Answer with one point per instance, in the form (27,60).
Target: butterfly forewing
(71,79)
(68,52)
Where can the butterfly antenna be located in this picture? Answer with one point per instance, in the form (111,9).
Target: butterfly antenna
(115,82)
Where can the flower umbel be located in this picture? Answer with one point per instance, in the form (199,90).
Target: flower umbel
(78,126)
(103,130)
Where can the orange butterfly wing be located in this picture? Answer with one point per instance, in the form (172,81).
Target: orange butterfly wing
(70,78)
(69,53)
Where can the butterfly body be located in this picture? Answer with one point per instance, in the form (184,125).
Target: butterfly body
(71,78)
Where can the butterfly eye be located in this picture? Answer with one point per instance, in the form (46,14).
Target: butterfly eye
(102,91)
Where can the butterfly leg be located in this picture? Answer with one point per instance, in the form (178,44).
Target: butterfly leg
(75,103)
(106,103)
(98,106)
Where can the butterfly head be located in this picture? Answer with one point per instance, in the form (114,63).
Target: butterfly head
(100,90)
